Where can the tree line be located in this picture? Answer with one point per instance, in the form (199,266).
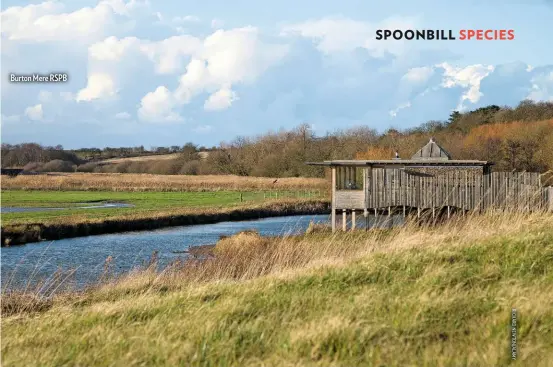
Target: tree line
(514,138)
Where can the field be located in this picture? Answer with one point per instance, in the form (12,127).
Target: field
(157,200)
(147,182)
(437,296)
(144,158)
(145,203)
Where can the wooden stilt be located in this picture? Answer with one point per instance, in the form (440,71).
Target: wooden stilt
(448,212)
(344,220)
(353,220)
(366,216)
(333,219)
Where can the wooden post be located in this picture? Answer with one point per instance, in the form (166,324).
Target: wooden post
(353,220)
(366,215)
(550,198)
(448,212)
(333,200)
(368,189)
(404,211)
(344,220)
(375,217)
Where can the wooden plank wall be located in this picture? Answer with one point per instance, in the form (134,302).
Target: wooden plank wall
(463,189)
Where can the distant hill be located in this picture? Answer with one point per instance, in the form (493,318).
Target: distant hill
(149,158)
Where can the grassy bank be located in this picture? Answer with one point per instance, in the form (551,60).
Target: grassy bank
(150,210)
(144,203)
(437,296)
(148,182)
(21,228)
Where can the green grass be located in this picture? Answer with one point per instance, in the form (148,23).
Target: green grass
(443,299)
(145,202)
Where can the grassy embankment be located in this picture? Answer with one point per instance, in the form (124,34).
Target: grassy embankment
(438,296)
(158,201)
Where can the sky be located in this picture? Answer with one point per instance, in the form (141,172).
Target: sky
(165,73)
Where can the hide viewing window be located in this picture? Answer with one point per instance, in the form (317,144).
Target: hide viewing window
(349,178)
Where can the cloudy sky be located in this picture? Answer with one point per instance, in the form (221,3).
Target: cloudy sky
(165,72)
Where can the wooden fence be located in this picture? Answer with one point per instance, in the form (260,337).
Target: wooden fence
(461,189)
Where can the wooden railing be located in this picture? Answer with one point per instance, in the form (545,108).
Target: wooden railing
(461,189)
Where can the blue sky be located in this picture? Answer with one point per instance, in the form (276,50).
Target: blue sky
(166,72)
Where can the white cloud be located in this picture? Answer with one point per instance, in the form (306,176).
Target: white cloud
(394,112)
(468,77)
(186,19)
(47,21)
(215,64)
(542,87)
(167,55)
(228,57)
(177,23)
(99,86)
(338,34)
(418,75)
(123,116)
(112,48)
(332,34)
(34,113)
(157,106)
(220,100)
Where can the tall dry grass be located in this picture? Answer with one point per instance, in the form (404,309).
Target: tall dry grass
(431,295)
(148,182)
(248,255)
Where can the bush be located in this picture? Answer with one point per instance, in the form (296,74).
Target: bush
(87,167)
(33,166)
(190,168)
(58,165)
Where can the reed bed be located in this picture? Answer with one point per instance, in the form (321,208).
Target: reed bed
(418,295)
(149,182)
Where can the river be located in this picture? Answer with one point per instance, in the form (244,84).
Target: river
(35,262)
(87,255)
